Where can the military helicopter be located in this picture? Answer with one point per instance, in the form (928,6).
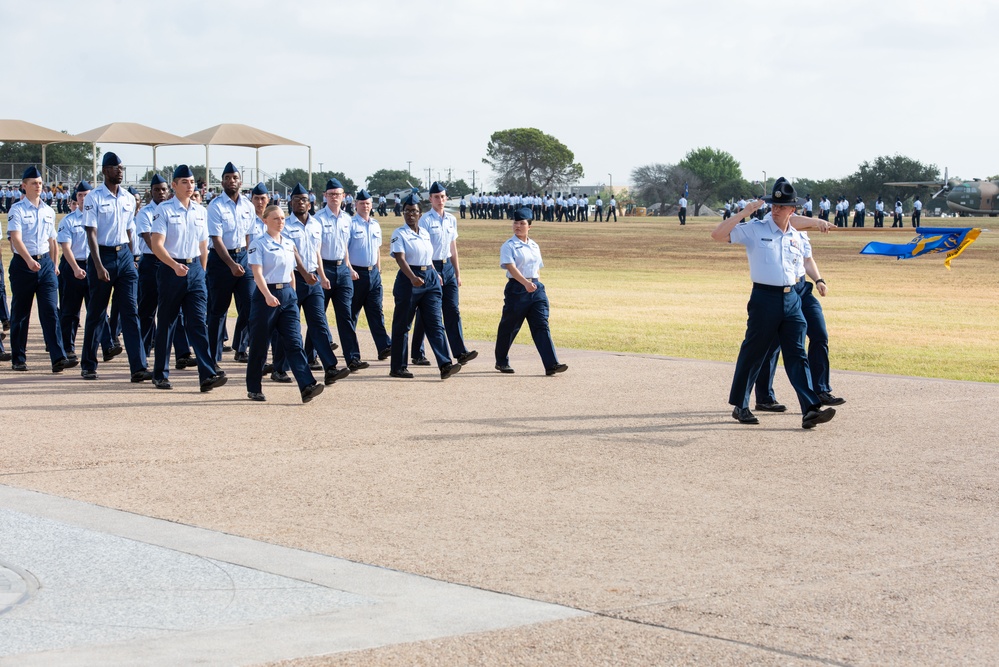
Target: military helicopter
(974,197)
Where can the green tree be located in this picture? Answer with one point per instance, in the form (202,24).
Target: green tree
(719,173)
(386,180)
(292,176)
(458,189)
(74,154)
(527,159)
(870,178)
(662,183)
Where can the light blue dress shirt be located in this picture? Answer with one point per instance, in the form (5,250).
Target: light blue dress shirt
(37,225)
(365,240)
(442,229)
(417,246)
(307,238)
(775,258)
(276,256)
(232,220)
(183,229)
(72,231)
(111,215)
(144,225)
(526,256)
(336,233)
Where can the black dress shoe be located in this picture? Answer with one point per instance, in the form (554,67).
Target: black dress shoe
(744,416)
(384,354)
(280,376)
(447,370)
(828,399)
(468,356)
(218,370)
(401,374)
(422,361)
(312,391)
(815,416)
(255,396)
(141,376)
(5,356)
(89,375)
(355,366)
(113,352)
(504,369)
(162,383)
(5,324)
(212,382)
(19,367)
(186,361)
(557,368)
(314,365)
(72,357)
(334,374)
(772,406)
(63,364)
(226,348)
(268,369)
(334,346)
(241,358)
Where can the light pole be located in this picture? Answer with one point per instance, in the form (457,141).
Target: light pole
(409,167)
(764,182)
(320,166)
(611,177)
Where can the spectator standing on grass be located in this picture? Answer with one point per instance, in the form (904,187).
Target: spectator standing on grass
(859,213)
(775,251)
(917,211)
(599,209)
(879,213)
(612,210)
(897,221)
(682,213)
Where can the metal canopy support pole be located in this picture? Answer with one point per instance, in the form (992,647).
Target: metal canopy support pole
(310,167)
(208,171)
(257,175)
(93,152)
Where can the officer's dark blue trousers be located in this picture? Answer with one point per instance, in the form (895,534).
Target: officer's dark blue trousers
(311,301)
(149,296)
(818,349)
(122,287)
(773,314)
(450,311)
(340,294)
(73,293)
(187,294)
(264,322)
(423,302)
(518,305)
(368,295)
(222,288)
(25,285)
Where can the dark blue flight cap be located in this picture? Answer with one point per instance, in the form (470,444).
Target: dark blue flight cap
(523,214)
(411,199)
(230,168)
(333,184)
(259,189)
(110,160)
(156,180)
(132,191)
(299,190)
(182,171)
(362,194)
(83,186)
(31,172)
(437,187)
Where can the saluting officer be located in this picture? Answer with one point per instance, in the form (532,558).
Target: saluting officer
(274,308)
(336,227)
(108,213)
(179,238)
(365,259)
(230,219)
(32,233)
(307,234)
(417,290)
(524,298)
(443,230)
(776,253)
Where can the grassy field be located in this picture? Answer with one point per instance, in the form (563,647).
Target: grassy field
(648,285)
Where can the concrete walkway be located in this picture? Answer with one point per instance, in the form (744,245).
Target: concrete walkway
(620,492)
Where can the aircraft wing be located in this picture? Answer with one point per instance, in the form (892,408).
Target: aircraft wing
(919,184)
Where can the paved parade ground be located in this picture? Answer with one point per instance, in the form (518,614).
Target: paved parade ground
(614,514)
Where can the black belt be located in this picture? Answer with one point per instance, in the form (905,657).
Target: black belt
(416,267)
(37,258)
(362,268)
(440,262)
(110,248)
(278,285)
(78,260)
(185,261)
(774,288)
(332,262)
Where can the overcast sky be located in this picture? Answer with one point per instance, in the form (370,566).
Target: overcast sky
(800,89)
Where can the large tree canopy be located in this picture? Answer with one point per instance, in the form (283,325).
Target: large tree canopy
(526,159)
(74,154)
(386,180)
(655,183)
(719,173)
(297,175)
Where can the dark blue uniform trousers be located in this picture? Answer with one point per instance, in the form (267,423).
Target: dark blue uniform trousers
(222,288)
(122,287)
(518,305)
(450,312)
(311,301)
(773,314)
(73,294)
(149,296)
(419,301)
(25,285)
(341,293)
(189,295)
(368,295)
(818,349)
(264,322)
